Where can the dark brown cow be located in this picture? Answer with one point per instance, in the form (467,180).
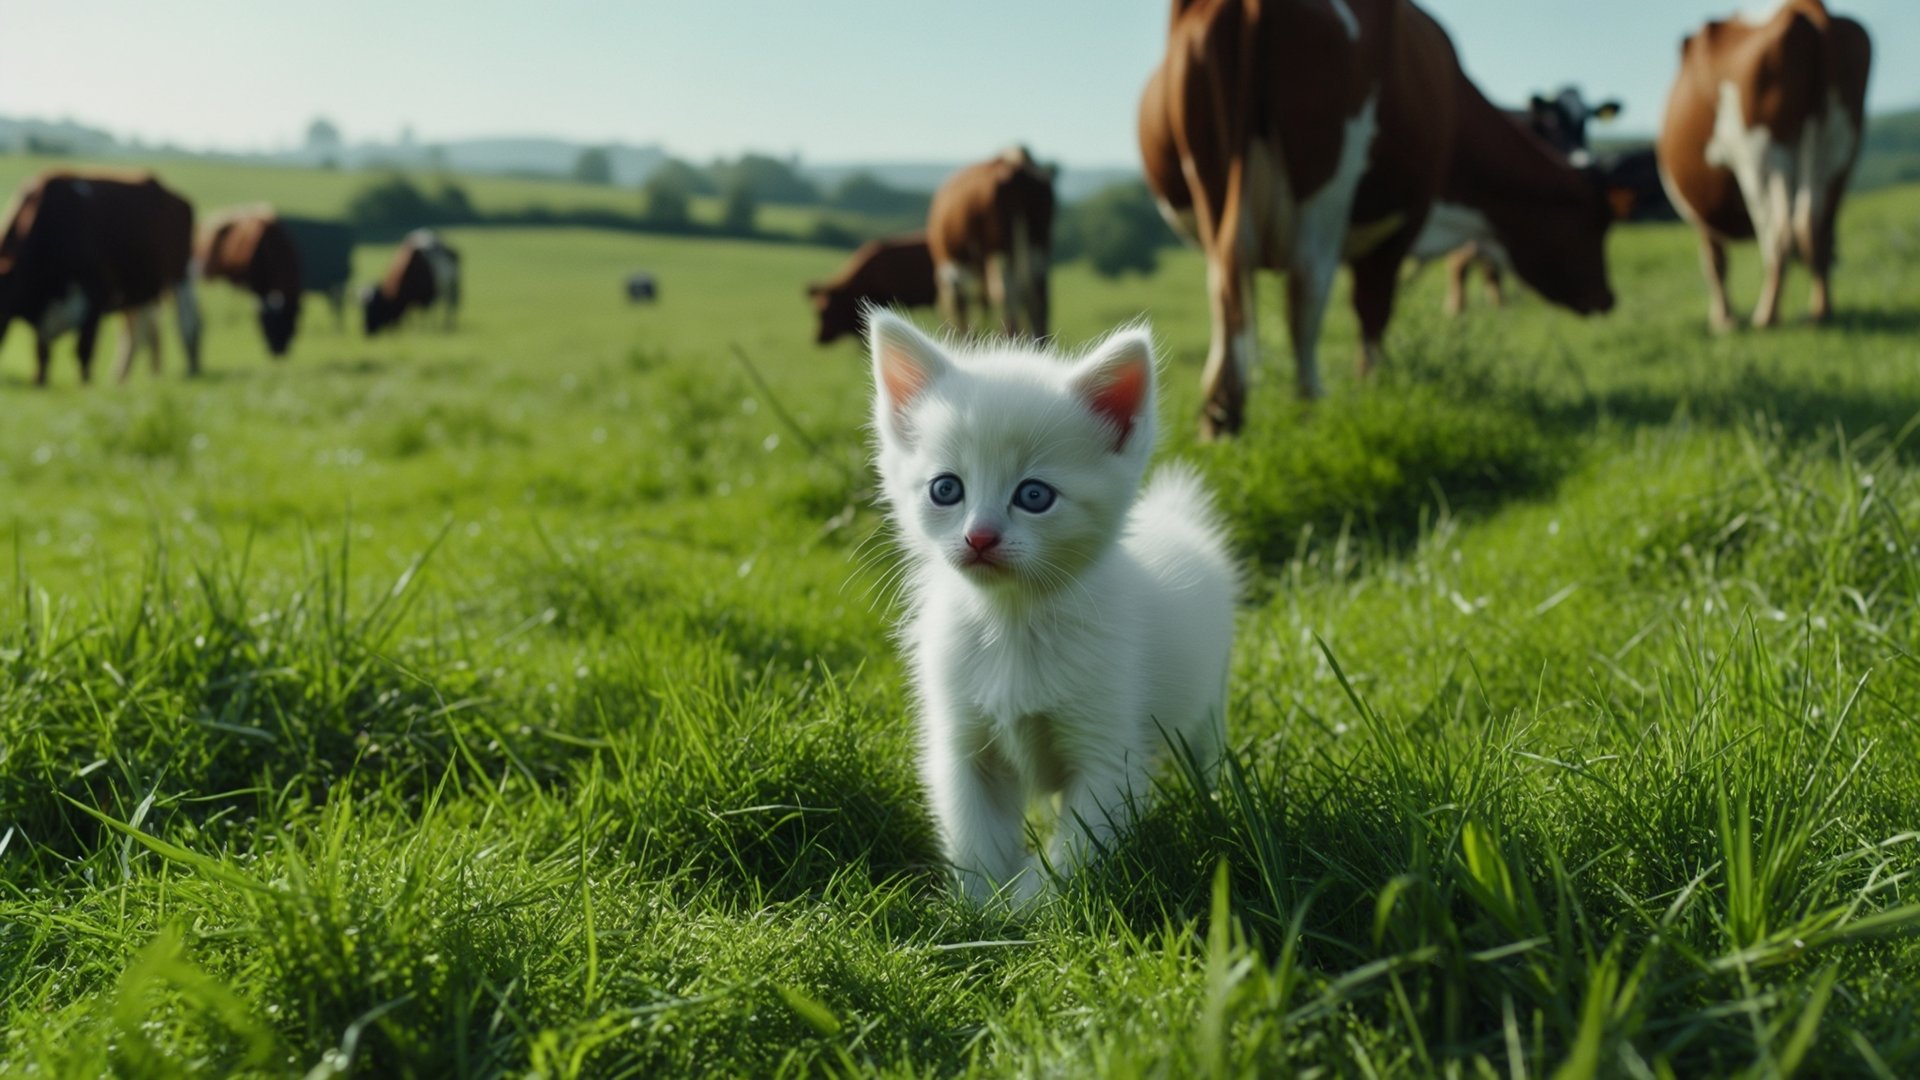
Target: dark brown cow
(78,247)
(991,224)
(1559,121)
(251,249)
(1312,132)
(1762,130)
(424,272)
(895,271)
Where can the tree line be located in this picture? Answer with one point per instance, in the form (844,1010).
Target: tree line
(1117,230)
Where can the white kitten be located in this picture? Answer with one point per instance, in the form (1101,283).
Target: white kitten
(1063,632)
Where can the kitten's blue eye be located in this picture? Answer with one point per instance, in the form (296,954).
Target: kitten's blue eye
(945,490)
(1033,496)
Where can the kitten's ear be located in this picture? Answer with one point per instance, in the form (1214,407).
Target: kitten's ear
(905,363)
(1116,382)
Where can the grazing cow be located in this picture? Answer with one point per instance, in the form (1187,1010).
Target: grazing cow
(326,258)
(424,271)
(1762,130)
(641,288)
(1312,132)
(78,247)
(896,271)
(1559,121)
(250,248)
(991,224)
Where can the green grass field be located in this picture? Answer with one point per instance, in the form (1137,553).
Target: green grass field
(520,699)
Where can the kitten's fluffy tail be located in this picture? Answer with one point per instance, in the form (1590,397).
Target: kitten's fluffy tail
(1175,521)
(1176,493)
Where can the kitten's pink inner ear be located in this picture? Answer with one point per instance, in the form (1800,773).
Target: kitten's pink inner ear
(903,375)
(1118,399)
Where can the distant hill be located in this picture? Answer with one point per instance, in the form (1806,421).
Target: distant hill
(1074,182)
(54,136)
(1892,153)
(505,156)
(1891,156)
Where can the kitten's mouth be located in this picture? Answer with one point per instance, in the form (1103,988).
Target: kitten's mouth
(984,565)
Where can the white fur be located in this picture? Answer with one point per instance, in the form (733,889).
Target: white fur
(1105,636)
(1320,240)
(1785,186)
(1451,226)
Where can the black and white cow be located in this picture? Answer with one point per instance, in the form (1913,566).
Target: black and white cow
(424,271)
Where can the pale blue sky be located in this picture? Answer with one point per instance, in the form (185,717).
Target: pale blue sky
(834,80)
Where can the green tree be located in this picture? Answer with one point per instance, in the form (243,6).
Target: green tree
(323,136)
(687,177)
(770,179)
(1117,229)
(740,210)
(593,166)
(389,204)
(667,199)
(868,194)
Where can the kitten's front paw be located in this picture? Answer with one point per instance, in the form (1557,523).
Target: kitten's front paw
(1019,895)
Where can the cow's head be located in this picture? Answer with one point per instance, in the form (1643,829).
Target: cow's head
(1562,121)
(838,309)
(1559,246)
(279,317)
(378,311)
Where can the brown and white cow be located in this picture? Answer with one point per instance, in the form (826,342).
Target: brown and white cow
(894,271)
(424,272)
(1762,130)
(249,247)
(79,247)
(991,224)
(1314,132)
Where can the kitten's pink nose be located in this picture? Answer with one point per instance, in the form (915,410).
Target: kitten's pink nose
(983,540)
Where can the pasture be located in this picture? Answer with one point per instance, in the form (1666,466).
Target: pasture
(520,699)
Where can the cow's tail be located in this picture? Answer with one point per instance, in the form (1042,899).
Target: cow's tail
(1018,268)
(453,287)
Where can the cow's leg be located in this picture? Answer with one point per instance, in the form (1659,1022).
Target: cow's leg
(129,343)
(42,358)
(1713,263)
(1003,292)
(1039,298)
(1496,282)
(187,304)
(89,336)
(1309,286)
(1376,281)
(150,335)
(1230,356)
(952,300)
(337,298)
(1820,261)
(1776,250)
(1459,264)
